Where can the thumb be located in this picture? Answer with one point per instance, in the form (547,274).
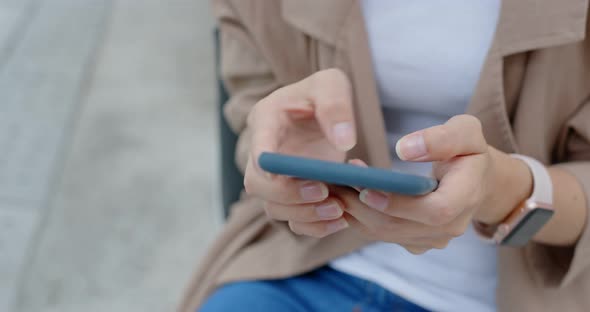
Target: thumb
(460,136)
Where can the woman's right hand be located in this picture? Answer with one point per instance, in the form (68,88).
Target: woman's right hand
(311,118)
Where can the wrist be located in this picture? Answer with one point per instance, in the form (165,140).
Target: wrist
(512,183)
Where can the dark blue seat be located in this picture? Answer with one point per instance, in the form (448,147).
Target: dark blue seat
(231,178)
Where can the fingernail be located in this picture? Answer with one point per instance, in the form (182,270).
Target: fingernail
(336,225)
(357,162)
(374,200)
(343,135)
(329,210)
(313,191)
(411,147)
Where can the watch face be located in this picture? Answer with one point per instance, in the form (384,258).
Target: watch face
(528,227)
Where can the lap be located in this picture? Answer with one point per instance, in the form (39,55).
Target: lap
(322,290)
(250,296)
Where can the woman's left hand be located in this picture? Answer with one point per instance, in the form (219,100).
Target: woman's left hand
(475,181)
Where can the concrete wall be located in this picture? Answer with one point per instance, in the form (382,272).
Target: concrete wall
(133,200)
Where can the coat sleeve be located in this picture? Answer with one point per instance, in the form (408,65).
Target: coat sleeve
(245,73)
(559,266)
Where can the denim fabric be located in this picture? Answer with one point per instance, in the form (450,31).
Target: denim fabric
(324,289)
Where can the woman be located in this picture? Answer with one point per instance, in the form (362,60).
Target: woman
(448,87)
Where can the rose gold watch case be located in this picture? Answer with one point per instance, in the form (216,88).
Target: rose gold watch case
(520,226)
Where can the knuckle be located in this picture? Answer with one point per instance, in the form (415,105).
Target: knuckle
(477,128)
(280,182)
(441,244)
(288,194)
(384,228)
(416,250)
(262,106)
(269,100)
(463,226)
(318,232)
(306,214)
(473,125)
(388,225)
(251,119)
(444,142)
(443,214)
(331,73)
(444,135)
(307,229)
(329,76)
(295,228)
(455,231)
(473,122)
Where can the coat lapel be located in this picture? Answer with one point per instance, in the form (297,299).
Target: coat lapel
(371,126)
(321,20)
(523,25)
(340,23)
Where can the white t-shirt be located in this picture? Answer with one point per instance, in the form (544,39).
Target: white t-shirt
(427,57)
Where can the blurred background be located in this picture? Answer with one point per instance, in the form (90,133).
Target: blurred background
(108,152)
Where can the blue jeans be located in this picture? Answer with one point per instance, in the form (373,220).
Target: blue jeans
(324,289)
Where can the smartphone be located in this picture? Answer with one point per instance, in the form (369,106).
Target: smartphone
(346,174)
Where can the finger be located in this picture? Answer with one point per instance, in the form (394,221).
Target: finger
(433,209)
(420,246)
(331,94)
(461,135)
(379,222)
(329,209)
(282,189)
(318,229)
(370,218)
(360,163)
(325,94)
(416,250)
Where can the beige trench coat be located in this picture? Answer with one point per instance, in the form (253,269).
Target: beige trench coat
(533,97)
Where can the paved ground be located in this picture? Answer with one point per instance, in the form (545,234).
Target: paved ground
(108,152)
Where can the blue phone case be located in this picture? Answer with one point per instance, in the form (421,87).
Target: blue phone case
(346,174)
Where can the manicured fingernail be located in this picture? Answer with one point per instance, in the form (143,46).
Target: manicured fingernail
(374,200)
(313,191)
(357,162)
(336,225)
(411,147)
(343,135)
(329,210)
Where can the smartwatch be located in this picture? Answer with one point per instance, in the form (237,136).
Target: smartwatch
(519,227)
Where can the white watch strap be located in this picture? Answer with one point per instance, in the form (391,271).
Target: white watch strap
(542,185)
